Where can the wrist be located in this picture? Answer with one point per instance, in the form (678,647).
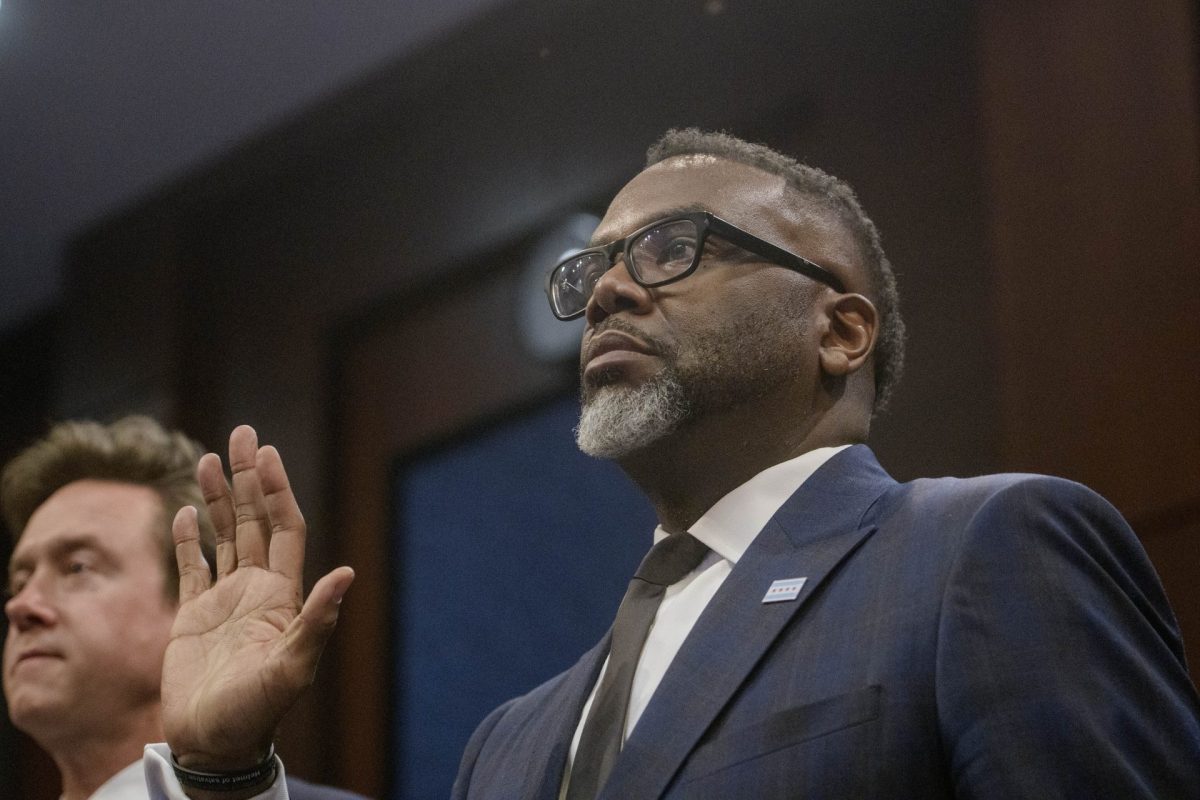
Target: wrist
(214,760)
(232,780)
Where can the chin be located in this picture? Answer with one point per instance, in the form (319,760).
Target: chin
(601,378)
(613,379)
(36,717)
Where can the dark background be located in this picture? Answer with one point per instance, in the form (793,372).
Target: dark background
(347,272)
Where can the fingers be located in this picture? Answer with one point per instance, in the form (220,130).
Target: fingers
(283,514)
(252,533)
(308,632)
(258,522)
(219,502)
(194,577)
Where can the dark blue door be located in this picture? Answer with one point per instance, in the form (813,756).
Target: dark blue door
(511,553)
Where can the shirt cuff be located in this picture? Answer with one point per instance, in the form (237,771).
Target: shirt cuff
(162,784)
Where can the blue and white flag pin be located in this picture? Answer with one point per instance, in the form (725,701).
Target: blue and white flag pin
(787,589)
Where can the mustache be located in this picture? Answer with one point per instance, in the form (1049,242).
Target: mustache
(599,379)
(658,346)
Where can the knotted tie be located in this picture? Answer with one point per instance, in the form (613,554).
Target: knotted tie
(600,743)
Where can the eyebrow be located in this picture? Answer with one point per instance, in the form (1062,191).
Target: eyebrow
(647,219)
(57,549)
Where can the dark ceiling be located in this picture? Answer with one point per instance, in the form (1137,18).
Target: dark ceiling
(102,103)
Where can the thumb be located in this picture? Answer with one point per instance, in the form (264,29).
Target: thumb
(311,628)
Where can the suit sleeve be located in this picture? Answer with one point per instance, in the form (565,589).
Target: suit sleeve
(1060,667)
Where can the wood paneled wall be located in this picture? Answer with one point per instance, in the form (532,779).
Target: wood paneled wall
(1093,161)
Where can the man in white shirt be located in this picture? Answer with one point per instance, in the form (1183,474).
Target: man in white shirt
(92,595)
(804,625)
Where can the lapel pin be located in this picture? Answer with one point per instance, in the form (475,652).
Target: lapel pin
(788,589)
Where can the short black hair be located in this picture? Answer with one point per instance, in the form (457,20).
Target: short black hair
(835,196)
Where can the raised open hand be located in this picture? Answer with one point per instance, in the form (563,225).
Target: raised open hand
(243,648)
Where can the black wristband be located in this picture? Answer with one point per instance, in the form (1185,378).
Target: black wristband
(228,781)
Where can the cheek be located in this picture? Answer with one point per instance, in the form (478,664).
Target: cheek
(9,646)
(132,632)
(150,627)
(747,325)
(8,651)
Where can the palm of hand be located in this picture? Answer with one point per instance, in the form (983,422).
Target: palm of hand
(228,675)
(242,648)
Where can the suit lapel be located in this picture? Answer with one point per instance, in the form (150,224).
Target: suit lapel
(818,527)
(545,764)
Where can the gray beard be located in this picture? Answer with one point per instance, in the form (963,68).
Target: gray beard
(617,420)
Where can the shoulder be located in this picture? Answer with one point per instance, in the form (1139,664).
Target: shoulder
(1039,548)
(999,490)
(1033,526)
(512,713)
(1015,502)
(1010,509)
(1054,636)
(468,772)
(949,502)
(529,708)
(303,790)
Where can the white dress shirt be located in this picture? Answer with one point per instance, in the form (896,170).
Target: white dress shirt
(128,784)
(727,528)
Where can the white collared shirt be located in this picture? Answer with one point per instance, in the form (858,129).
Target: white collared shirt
(727,528)
(128,784)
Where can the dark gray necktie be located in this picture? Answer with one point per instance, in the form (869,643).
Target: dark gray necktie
(600,743)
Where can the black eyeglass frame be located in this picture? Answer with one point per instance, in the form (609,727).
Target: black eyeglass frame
(705,222)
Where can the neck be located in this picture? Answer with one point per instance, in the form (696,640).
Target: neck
(686,473)
(87,759)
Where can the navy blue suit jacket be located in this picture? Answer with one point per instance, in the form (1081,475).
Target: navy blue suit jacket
(996,637)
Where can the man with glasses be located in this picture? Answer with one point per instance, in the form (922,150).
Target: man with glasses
(804,626)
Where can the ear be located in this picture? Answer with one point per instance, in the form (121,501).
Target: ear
(851,323)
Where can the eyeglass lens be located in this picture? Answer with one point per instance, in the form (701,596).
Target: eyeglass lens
(665,251)
(658,255)
(574,282)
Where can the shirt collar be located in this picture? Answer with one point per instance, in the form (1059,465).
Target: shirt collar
(731,524)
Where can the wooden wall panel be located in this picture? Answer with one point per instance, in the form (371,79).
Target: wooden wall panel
(1093,164)
(1094,177)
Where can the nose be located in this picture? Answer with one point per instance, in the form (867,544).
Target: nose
(30,608)
(617,291)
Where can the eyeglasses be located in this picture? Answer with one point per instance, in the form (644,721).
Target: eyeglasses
(660,253)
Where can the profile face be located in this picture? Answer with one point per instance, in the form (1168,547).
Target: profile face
(88,618)
(737,327)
